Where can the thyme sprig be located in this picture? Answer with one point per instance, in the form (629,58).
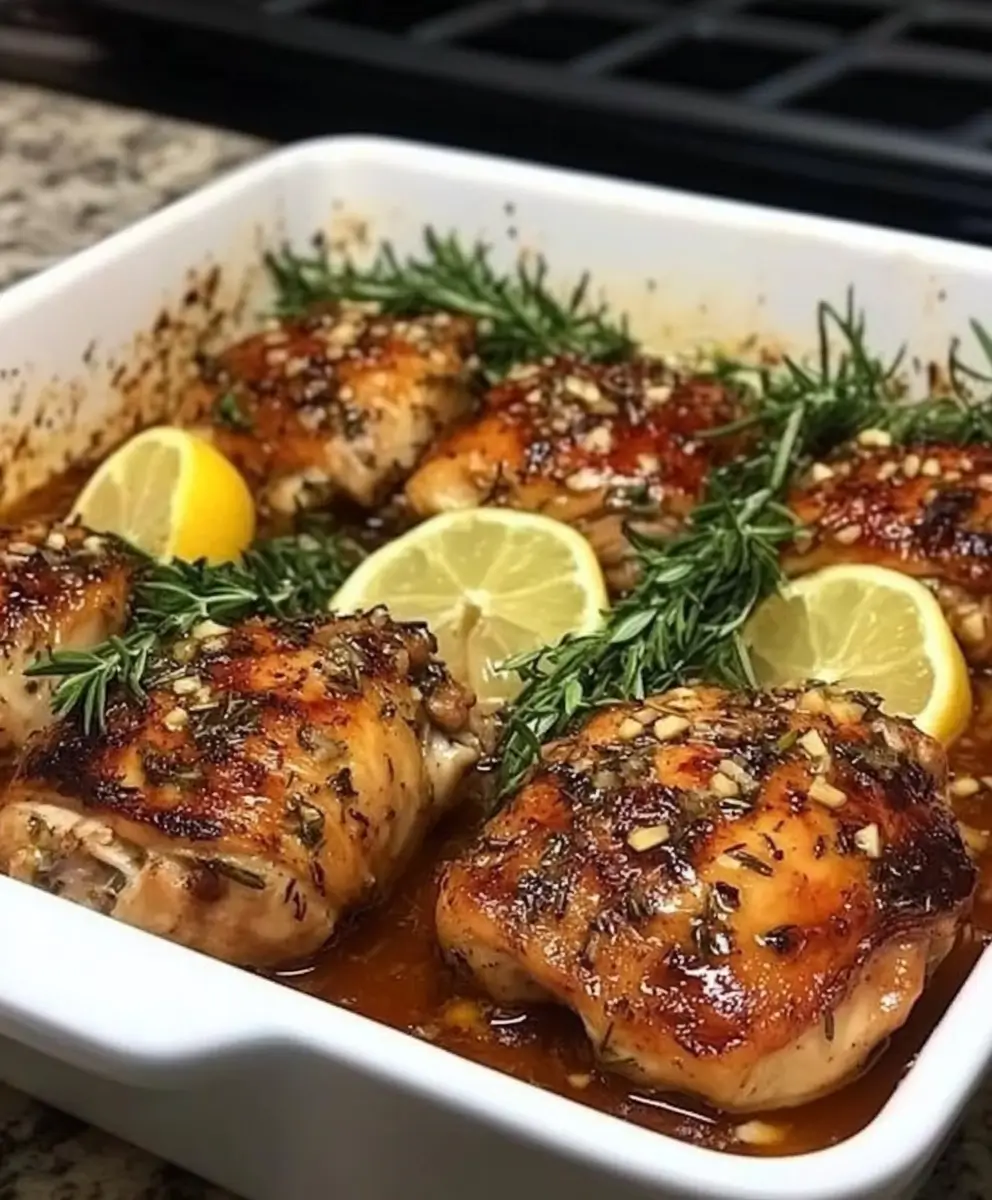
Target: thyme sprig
(519,315)
(683,620)
(293,575)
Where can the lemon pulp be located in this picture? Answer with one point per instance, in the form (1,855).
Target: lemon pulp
(491,583)
(866,628)
(171,494)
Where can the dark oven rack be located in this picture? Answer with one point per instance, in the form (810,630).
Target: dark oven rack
(879,109)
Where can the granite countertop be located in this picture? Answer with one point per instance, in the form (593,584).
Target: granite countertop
(71,172)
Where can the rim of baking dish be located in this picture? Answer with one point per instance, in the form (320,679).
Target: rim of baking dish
(144,1027)
(157,1015)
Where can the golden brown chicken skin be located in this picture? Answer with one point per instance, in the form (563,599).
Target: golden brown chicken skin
(277,776)
(62,587)
(340,403)
(740,895)
(596,446)
(925,510)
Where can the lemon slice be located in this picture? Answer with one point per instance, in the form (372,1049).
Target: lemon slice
(870,629)
(490,583)
(172,495)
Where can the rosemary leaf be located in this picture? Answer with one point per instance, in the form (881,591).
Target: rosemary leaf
(519,317)
(227,411)
(683,620)
(843,390)
(851,390)
(963,414)
(289,576)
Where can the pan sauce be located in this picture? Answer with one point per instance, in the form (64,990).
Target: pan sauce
(386,965)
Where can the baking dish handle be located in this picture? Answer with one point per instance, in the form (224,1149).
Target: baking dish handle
(118,1002)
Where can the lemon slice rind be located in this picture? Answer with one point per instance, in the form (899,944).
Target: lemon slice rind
(171,494)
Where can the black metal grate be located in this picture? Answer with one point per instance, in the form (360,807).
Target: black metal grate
(895,94)
(928,64)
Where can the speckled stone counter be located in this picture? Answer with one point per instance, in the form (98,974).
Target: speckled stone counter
(70,173)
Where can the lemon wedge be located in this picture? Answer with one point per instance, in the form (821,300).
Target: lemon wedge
(490,583)
(172,495)
(871,629)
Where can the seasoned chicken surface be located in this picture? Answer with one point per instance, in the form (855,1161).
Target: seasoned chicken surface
(740,895)
(340,403)
(596,446)
(277,776)
(61,587)
(925,510)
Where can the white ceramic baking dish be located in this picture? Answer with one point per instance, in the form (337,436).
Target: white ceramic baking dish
(276,1095)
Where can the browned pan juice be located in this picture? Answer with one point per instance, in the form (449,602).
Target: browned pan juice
(385,964)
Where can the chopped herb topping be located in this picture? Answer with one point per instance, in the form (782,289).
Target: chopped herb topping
(227,411)
(289,576)
(236,873)
(308,821)
(751,861)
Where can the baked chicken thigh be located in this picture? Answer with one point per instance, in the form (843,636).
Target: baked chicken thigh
(925,510)
(61,587)
(740,895)
(278,775)
(596,446)
(338,404)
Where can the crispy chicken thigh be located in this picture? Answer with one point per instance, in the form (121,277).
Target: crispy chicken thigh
(340,403)
(596,446)
(925,510)
(740,895)
(61,587)
(278,775)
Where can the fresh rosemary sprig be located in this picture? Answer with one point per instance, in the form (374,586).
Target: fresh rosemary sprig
(683,619)
(961,414)
(519,316)
(843,389)
(849,390)
(951,420)
(288,576)
(279,577)
(86,676)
